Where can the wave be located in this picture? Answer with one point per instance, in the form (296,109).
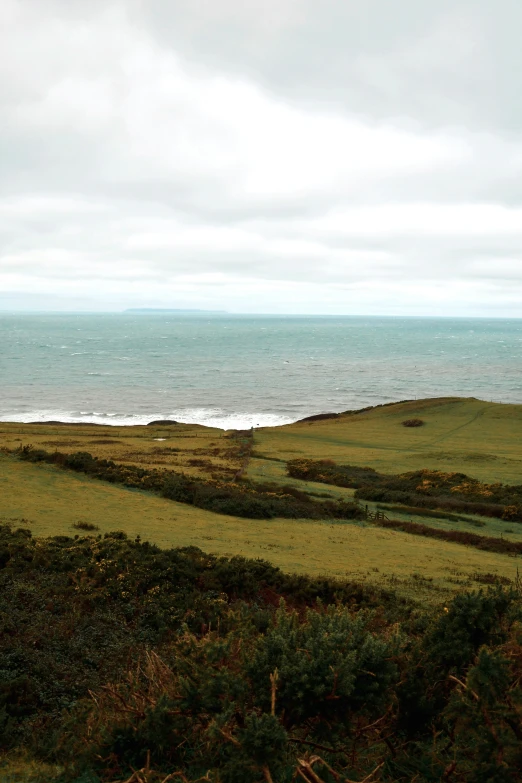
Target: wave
(208,417)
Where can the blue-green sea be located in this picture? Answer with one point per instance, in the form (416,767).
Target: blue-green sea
(236,371)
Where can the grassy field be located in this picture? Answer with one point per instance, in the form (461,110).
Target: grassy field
(195,450)
(49,501)
(470,436)
(475,437)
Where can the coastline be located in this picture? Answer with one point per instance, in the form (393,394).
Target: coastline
(212,418)
(232,421)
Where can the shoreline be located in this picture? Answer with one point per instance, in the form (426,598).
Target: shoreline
(243,421)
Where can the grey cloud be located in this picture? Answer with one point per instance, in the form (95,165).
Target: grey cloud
(164,141)
(455,62)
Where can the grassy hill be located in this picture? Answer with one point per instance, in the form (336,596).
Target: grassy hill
(481,439)
(50,501)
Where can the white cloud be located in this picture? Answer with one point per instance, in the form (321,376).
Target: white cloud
(418,220)
(137,166)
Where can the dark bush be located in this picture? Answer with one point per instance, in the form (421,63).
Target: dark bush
(488,543)
(421,488)
(413,423)
(122,661)
(471,621)
(328,668)
(85,526)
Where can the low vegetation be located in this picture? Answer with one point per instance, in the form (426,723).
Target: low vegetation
(487,543)
(235,499)
(48,500)
(81,525)
(426,512)
(421,488)
(122,661)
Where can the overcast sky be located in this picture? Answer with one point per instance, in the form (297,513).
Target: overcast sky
(284,156)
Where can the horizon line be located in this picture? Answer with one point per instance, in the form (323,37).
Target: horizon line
(195,312)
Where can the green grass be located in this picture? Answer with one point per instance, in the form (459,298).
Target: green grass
(49,501)
(269,471)
(470,436)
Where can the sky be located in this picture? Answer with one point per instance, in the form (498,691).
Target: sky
(271,156)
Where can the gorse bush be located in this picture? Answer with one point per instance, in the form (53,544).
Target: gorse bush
(327,472)
(73,611)
(329,668)
(420,488)
(118,656)
(82,525)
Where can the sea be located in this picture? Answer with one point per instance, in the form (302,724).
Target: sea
(238,371)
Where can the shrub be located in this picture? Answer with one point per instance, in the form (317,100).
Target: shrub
(488,543)
(421,488)
(122,661)
(471,621)
(413,423)
(327,668)
(85,526)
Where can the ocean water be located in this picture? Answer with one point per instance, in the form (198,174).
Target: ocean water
(237,371)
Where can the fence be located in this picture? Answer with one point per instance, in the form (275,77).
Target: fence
(376,515)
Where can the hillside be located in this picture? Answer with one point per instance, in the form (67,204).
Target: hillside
(481,439)
(143,638)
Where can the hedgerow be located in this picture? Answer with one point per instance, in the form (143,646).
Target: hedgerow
(487,543)
(240,499)
(421,488)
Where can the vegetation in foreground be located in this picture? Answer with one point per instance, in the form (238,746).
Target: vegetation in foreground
(121,661)
(117,656)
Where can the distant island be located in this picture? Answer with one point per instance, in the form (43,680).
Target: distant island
(169,310)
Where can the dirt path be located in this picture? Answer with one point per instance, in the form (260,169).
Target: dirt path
(474,418)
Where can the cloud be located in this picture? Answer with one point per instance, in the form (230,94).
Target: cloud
(447,63)
(276,157)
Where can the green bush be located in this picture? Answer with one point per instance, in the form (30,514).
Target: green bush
(328,668)
(421,488)
(471,621)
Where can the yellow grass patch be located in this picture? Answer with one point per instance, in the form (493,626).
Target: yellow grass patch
(20,768)
(188,447)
